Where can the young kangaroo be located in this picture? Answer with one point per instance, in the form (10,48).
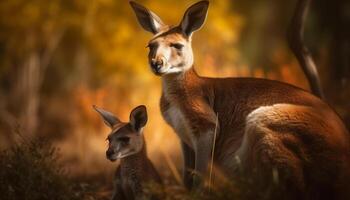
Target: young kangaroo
(263,125)
(126,142)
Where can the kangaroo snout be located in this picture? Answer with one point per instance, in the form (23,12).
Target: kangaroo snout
(109,154)
(157,64)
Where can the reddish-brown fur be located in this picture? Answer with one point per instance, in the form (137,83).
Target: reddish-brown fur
(307,142)
(273,131)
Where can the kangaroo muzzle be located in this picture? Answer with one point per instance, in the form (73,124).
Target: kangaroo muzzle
(157,64)
(110,154)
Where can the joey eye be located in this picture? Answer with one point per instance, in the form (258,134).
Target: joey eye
(124,140)
(177,46)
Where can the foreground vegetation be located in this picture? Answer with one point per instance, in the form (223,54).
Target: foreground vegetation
(31,169)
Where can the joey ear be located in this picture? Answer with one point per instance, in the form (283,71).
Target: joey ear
(108,118)
(148,20)
(194,17)
(138,117)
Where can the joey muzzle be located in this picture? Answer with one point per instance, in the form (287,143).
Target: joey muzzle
(110,155)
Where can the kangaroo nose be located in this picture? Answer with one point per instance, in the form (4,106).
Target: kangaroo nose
(157,64)
(109,153)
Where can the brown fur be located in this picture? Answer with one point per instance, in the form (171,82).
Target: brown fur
(127,143)
(274,131)
(304,139)
(131,176)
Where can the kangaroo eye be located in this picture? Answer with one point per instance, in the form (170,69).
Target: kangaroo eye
(177,46)
(151,45)
(124,140)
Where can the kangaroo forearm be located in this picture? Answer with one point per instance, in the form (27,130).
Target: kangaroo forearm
(189,165)
(204,142)
(187,178)
(203,155)
(117,196)
(118,192)
(137,190)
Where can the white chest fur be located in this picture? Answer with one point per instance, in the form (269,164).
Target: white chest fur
(179,123)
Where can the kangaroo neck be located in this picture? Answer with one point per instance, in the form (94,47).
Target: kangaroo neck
(138,157)
(176,84)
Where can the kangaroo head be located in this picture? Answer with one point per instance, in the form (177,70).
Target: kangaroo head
(126,139)
(170,49)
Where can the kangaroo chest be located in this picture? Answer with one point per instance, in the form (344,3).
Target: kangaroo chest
(127,187)
(130,178)
(177,120)
(174,101)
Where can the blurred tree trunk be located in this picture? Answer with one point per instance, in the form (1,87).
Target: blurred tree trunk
(83,66)
(29,80)
(333,21)
(27,93)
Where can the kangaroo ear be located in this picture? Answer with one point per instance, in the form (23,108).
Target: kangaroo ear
(148,20)
(194,17)
(108,118)
(138,117)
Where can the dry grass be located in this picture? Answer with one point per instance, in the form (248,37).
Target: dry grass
(213,151)
(31,169)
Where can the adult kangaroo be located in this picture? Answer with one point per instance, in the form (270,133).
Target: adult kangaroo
(266,125)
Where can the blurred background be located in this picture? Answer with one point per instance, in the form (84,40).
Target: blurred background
(60,57)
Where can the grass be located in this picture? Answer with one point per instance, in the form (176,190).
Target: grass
(213,151)
(227,191)
(30,169)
